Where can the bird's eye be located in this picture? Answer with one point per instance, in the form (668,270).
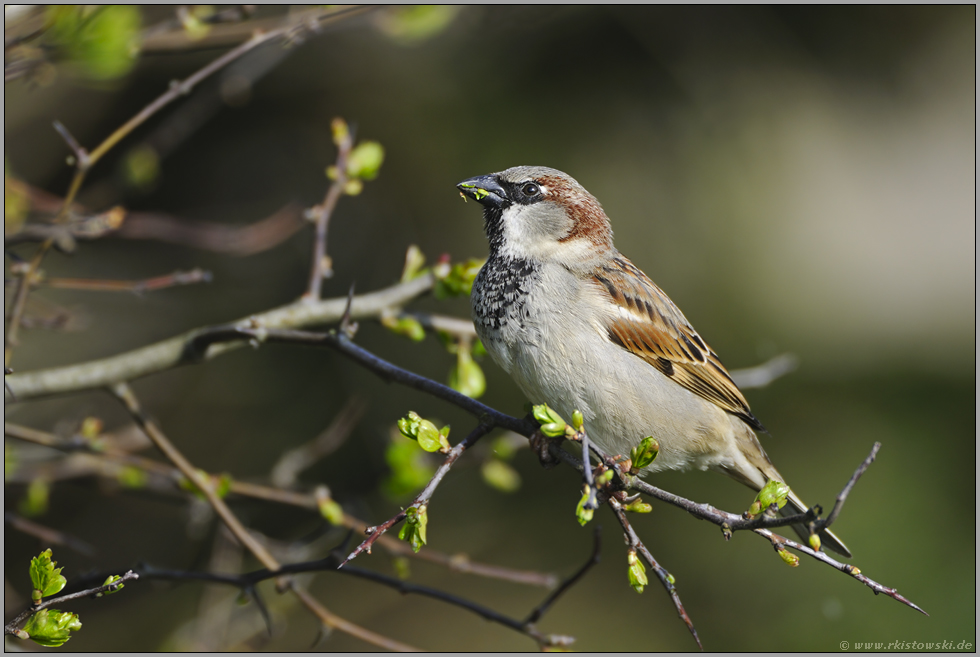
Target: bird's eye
(530,189)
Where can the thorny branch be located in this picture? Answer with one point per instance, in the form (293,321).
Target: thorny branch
(85,160)
(328,618)
(490,418)
(108,451)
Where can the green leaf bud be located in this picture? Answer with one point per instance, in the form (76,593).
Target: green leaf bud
(644,454)
(467,377)
(44,576)
(774,492)
(788,557)
(638,506)
(637,572)
(577,420)
(583,514)
(365,160)
(414,263)
(405,325)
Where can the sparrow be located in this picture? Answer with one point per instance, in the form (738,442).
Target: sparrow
(579,327)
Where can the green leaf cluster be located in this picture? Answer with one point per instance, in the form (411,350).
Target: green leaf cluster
(424,432)
(774,492)
(413,530)
(552,424)
(51,628)
(456,280)
(47,579)
(101,42)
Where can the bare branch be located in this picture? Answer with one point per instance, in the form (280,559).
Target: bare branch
(177,278)
(321,268)
(47,535)
(842,497)
(174,352)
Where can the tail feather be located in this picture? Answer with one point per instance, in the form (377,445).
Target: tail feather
(828,539)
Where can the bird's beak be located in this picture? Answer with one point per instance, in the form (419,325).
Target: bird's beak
(484,190)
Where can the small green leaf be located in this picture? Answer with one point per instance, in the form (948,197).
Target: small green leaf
(467,377)
(774,492)
(604,478)
(637,572)
(331,511)
(429,437)
(47,579)
(405,325)
(414,263)
(583,514)
(638,506)
(365,160)
(131,477)
(51,628)
(644,454)
(577,420)
(111,579)
(410,469)
(501,476)
(456,280)
(544,414)
(413,530)
(35,503)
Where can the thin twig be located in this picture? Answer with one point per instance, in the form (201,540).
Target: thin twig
(842,496)
(47,535)
(177,278)
(423,498)
(594,558)
(665,578)
(328,618)
(13,627)
(171,353)
(320,268)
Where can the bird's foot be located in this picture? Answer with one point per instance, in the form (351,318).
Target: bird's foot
(541,445)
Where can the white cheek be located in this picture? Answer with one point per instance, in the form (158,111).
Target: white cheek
(525,237)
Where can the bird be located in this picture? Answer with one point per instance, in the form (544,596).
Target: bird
(580,327)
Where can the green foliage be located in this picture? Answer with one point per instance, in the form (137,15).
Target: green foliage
(424,432)
(331,511)
(456,280)
(501,476)
(111,579)
(131,477)
(51,628)
(364,162)
(35,503)
(46,579)
(416,23)
(638,506)
(100,42)
(414,264)
(221,484)
(413,530)
(644,454)
(410,470)
(774,492)
(788,557)
(582,513)
(467,376)
(405,325)
(552,424)
(637,572)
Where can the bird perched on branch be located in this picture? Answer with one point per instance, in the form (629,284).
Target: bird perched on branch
(578,326)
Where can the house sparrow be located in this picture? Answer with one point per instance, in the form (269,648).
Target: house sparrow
(578,326)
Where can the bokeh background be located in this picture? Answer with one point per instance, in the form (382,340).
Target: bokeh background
(797,179)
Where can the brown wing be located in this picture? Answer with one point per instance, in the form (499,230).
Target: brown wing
(648,324)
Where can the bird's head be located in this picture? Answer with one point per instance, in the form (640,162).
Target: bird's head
(541,214)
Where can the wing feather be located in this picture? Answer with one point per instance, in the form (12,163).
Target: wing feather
(646,323)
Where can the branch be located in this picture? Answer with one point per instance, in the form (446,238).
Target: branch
(665,578)
(13,627)
(328,618)
(196,275)
(171,353)
(321,268)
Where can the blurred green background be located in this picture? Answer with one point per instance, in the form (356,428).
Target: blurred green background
(797,179)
